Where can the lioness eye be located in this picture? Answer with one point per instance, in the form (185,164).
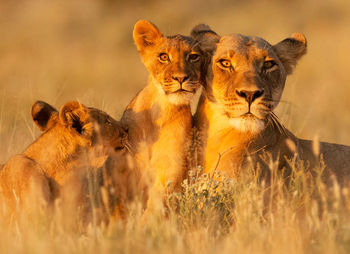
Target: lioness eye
(163,57)
(225,63)
(193,57)
(269,64)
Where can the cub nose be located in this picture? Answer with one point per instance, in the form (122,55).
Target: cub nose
(180,78)
(250,96)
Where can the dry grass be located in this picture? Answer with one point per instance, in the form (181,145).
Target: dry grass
(65,50)
(212,215)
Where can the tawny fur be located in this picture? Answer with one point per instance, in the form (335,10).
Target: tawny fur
(77,142)
(159,118)
(237,127)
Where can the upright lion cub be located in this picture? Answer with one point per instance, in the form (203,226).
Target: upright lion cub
(159,118)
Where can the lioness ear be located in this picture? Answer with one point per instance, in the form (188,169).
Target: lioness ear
(43,115)
(145,34)
(74,115)
(290,50)
(206,37)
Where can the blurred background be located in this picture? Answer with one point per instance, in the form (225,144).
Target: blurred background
(61,50)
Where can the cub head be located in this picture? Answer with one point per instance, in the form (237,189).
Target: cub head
(176,63)
(247,76)
(88,128)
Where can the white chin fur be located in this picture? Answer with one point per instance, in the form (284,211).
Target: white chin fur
(252,125)
(180,98)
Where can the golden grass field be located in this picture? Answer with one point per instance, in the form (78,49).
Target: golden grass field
(58,51)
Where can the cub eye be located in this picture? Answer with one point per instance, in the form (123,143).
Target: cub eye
(119,148)
(225,63)
(193,57)
(269,64)
(164,57)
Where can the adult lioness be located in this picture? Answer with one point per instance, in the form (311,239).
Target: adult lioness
(76,142)
(235,114)
(159,118)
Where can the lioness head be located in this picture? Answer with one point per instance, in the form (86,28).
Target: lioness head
(81,128)
(247,76)
(174,62)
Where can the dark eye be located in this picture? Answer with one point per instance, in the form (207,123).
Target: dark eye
(119,148)
(269,64)
(164,57)
(225,63)
(193,57)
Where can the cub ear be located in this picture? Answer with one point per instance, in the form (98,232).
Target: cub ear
(74,115)
(290,50)
(43,115)
(145,34)
(206,37)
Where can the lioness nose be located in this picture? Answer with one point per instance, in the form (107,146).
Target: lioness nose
(250,96)
(180,79)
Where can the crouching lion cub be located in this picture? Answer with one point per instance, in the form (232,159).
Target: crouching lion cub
(235,116)
(69,161)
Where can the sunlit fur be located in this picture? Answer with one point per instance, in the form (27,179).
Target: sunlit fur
(247,56)
(180,98)
(76,141)
(243,124)
(234,133)
(159,118)
(185,59)
(232,126)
